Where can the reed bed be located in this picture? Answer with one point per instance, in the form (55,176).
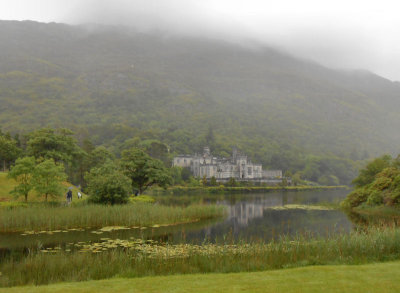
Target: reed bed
(140,258)
(37,218)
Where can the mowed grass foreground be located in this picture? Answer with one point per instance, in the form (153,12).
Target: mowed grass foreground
(138,259)
(41,217)
(382,278)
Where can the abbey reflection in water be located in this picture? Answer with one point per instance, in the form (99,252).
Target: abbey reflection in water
(256,216)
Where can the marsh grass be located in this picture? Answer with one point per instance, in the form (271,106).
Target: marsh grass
(40,217)
(143,259)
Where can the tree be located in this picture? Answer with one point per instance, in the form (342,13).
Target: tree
(213,181)
(22,172)
(176,175)
(367,175)
(58,145)
(47,178)
(108,185)
(186,174)
(143,170)
(157,150)
(99,156)
(231,182)
(8,150)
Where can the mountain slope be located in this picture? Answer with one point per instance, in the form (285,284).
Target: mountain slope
(112,83)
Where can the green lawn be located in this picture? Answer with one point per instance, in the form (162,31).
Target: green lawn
(6,185)
(382,277)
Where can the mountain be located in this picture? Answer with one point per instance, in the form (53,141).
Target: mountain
(113,83)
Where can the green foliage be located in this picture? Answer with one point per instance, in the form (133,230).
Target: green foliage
(176,175)
(213,181)
(377,184)
(48,177)
(296,179)
(367,175)
(156,150)
(186,174)
(22,172)
(143,170)
(194,182)
(375,197)
(45,217)
(138,260)
(99,156)
(231,182)
(185,105)
(9,150)
(328,180)
(58,145)
(108,185)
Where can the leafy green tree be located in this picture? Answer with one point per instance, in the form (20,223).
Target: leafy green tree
(367,175)
(22,172)
(296,179)
(9,150)
(213,181)
(143,170)
(157,150)
(58,145)
(99,156)
(108,185)
(186,174)
(176,175)
(231,182)
(48,177)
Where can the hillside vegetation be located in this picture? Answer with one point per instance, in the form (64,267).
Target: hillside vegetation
(110,84)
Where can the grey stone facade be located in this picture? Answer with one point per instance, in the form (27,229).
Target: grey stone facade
(238,167)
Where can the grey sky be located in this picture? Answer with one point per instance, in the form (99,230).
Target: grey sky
(341,34)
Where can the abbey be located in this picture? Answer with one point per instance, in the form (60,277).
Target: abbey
(237,167)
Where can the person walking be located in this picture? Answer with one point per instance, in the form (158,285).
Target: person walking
(69,196)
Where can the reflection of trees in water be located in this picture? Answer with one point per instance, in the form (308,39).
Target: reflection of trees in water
(362,221)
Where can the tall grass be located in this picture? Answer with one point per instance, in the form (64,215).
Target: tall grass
(140,214)
(356,248)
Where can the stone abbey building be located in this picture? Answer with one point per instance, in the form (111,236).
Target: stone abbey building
(237,167)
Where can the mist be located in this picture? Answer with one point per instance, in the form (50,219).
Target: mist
(356,35)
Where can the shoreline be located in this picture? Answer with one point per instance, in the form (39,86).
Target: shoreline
(178,190)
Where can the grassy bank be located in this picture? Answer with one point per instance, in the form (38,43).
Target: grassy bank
(37,218)
(358,279)
(9,200)
(137,258)
(240,189)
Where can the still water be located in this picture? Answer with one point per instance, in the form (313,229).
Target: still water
(249,217)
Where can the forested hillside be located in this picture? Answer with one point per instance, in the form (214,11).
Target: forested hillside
(110,84)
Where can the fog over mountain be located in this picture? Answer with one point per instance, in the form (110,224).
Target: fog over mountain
(338,34)
(94,77)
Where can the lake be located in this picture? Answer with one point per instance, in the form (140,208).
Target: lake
(250,217)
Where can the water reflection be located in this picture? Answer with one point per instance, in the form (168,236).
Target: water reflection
(249,217)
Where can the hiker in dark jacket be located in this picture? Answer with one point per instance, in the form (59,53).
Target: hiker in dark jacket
(69,196)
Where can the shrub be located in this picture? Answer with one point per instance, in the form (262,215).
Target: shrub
(108,185)
(375,198)
(355,198)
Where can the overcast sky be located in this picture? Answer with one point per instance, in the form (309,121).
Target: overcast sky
(340,34)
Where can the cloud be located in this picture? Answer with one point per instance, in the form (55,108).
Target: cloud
(341,33)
